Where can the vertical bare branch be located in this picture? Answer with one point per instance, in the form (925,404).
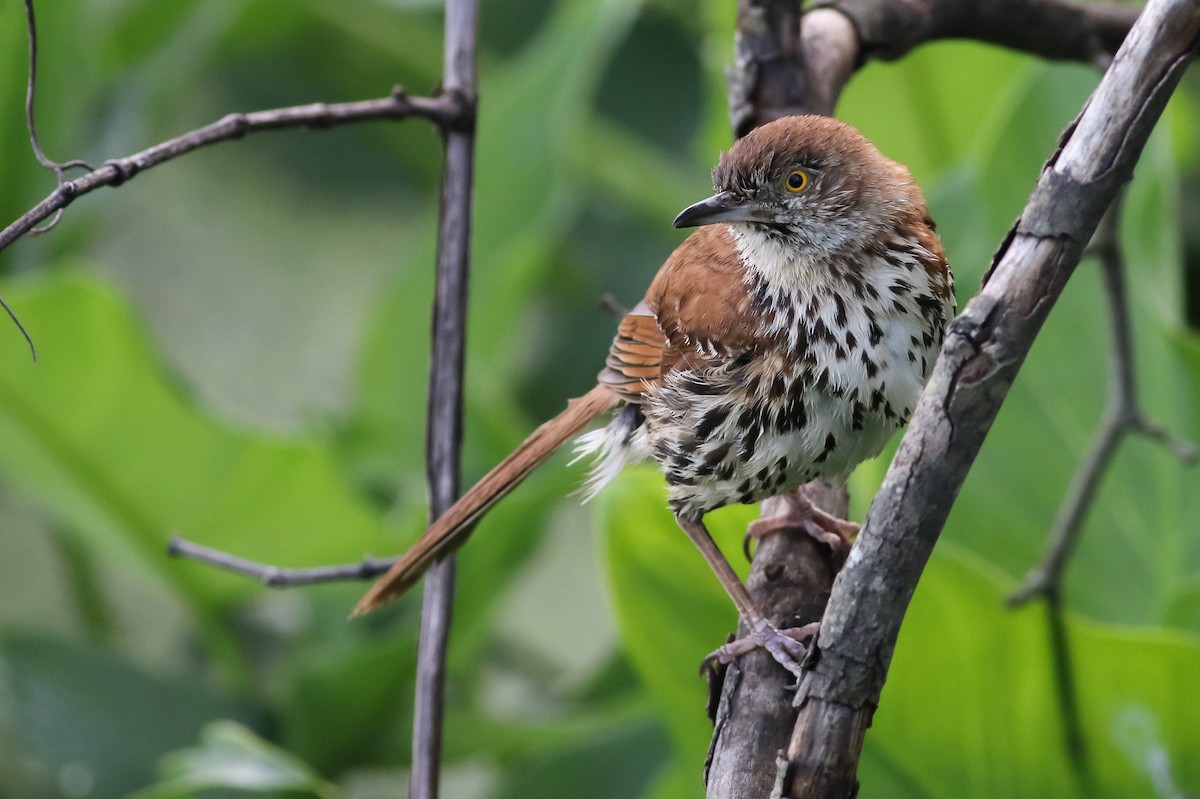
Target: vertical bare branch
(444,413)
(785,63)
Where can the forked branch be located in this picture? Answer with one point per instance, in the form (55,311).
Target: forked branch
(1122,417)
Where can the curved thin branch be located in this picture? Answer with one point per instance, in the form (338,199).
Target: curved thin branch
(58,169)
(447,109)
(276,576)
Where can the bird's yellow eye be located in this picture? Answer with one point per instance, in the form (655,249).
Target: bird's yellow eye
(796,181)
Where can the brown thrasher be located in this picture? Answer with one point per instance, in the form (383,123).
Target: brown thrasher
(782,342)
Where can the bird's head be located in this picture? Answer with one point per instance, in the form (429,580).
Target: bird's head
(807,183)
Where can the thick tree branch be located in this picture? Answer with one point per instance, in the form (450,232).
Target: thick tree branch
(778,73)
(983,352)
(790,64)
(790,579)
(783,66)
(1053,29)
(448,109)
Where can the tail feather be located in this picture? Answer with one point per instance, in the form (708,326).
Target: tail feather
(452,528)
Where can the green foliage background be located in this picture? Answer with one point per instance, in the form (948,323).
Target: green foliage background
(234,347)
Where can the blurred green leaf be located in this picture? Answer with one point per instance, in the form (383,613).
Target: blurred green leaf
(232,757)
(84,723)
(109,443)
(609,766)
(269,271)
(970,706)
(670,609)
(343,705)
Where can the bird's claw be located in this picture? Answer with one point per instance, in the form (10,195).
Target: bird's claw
(786,646)
(800,514)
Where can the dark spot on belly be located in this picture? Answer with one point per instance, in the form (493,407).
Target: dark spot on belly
(748,441)
(711,421)
(830,445)
(694,385)
(716,455)
(872,367)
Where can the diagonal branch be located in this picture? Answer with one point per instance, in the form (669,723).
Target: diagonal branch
(448,110)
(985,348)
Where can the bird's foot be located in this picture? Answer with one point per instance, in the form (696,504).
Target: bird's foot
(799,514)
(786,646)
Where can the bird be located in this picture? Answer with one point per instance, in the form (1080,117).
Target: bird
(785,340)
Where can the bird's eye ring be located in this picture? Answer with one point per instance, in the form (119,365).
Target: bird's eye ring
(796,181)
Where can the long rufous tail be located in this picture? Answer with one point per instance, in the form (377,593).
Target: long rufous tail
(454,526)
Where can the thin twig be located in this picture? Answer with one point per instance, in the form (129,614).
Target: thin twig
(1122,417)
(446,109)
(1064,678)
(275,576)
(59,169)
(445,405)
(20,327)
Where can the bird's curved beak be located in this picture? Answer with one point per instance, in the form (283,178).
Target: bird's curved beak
(721,207)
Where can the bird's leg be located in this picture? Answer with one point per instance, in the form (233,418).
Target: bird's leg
(786,646)
(799,514)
